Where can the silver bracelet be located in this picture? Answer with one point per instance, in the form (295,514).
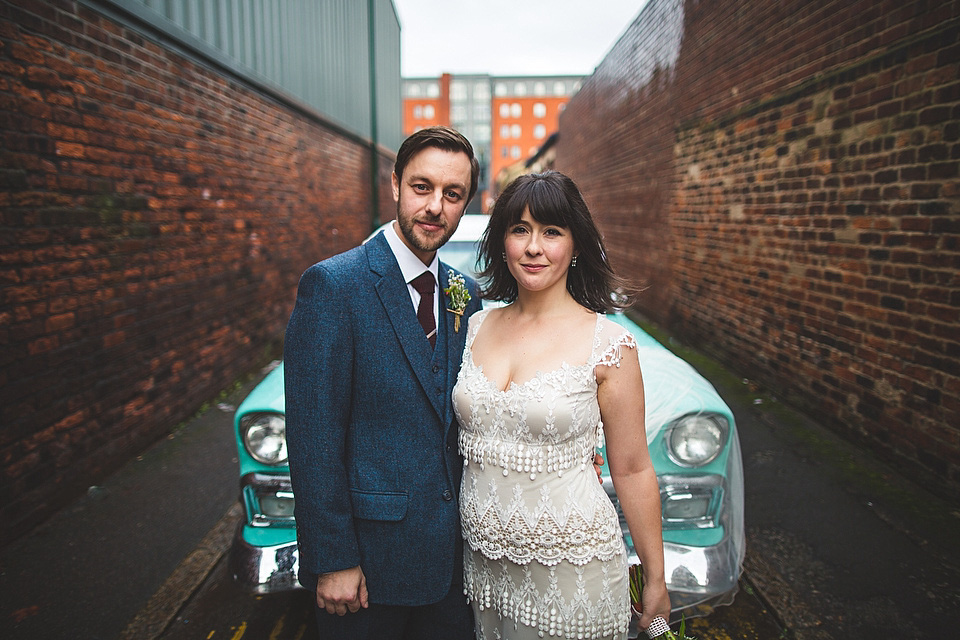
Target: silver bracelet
(658,627)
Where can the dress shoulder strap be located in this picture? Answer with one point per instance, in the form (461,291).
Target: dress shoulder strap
(473,325)
(609,342)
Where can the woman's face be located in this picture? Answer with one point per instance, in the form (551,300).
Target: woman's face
(538,255)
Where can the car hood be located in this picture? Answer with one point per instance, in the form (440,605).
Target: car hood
(266,396)
(671,387)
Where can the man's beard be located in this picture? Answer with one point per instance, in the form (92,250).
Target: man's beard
(407,228)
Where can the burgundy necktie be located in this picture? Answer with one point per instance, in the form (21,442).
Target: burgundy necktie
(424,284)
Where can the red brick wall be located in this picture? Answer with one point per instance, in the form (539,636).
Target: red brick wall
(155,216)
(788,184)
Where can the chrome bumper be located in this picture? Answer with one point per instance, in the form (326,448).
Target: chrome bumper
(268,507)
(698,579)
(263,569)
(699,576)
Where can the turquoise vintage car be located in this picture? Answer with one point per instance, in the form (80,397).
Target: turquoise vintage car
(691,434)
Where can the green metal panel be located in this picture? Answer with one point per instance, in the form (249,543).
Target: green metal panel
(388,83)
(316,51)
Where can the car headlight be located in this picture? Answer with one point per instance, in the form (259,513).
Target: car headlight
(265,437)
(696,439)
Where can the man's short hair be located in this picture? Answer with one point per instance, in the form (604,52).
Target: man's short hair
(441,137)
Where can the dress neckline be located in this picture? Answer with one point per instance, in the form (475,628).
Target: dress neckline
(539,375)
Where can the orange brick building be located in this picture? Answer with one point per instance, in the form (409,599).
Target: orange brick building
(506,118)
(426,103)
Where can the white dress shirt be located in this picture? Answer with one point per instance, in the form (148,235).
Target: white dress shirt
(411,266)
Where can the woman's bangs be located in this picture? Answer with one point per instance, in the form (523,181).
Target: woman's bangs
(547,207)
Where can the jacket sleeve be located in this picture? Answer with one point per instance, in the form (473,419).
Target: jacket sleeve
(318,370)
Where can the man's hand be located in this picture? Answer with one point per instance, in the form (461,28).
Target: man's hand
(597,464)
(342,591)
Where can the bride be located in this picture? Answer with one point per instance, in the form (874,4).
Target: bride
(543,381)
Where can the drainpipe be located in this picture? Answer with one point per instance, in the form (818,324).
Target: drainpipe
(374,133)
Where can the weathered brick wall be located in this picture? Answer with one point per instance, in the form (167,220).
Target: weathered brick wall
(786,179)
(154,219)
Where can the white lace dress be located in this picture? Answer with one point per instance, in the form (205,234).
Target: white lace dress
(544,555)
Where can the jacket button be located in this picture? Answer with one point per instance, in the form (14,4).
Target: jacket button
(447,495)
(436,368)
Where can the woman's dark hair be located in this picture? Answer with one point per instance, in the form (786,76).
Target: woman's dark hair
(553,199)
(444,138)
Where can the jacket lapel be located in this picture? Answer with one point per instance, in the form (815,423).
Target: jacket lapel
(395,298)
(454,341)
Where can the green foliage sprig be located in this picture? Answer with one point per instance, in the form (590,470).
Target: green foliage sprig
(635,573)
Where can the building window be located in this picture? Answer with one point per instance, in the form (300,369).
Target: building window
(559,89)
(481,91)
(483,132)
(503,151)
(515,151)
(515,110)
(458,112)
(413,90)
(500,89)
(539,110)
(561,107)
(540,89)
(539,132)
(504,131)
(504,110)
(481,111)
(520,89)
(428,112)
(417,112)
(433,90)
(515,131)
(458,91)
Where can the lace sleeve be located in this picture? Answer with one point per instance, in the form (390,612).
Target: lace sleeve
(473,324)
(612,355)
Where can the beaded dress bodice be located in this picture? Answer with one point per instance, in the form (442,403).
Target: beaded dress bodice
(530,493)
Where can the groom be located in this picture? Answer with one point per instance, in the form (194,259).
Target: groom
(370,358)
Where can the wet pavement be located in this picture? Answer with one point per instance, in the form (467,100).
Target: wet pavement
(838,544)
(86,572)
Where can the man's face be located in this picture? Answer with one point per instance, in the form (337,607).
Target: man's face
(430,198)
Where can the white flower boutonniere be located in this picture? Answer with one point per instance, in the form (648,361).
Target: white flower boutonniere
(457,297)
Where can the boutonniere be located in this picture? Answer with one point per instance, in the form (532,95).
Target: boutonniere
(457,297)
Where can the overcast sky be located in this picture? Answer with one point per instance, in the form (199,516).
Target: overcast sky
(509,37)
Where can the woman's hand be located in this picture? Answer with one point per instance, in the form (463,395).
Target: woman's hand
(656,602)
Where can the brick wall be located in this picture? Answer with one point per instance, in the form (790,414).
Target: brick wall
(155,216)
(786,178)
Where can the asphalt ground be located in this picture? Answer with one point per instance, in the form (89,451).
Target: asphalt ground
(87,572)
(839,545)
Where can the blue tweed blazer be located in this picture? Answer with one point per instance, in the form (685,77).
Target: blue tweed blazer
(371,432)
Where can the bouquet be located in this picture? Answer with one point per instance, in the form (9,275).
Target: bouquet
(658,629)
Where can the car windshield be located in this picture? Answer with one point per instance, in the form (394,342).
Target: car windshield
(463,248)
(462,256)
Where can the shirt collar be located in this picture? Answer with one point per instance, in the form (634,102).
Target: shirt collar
(410,265)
